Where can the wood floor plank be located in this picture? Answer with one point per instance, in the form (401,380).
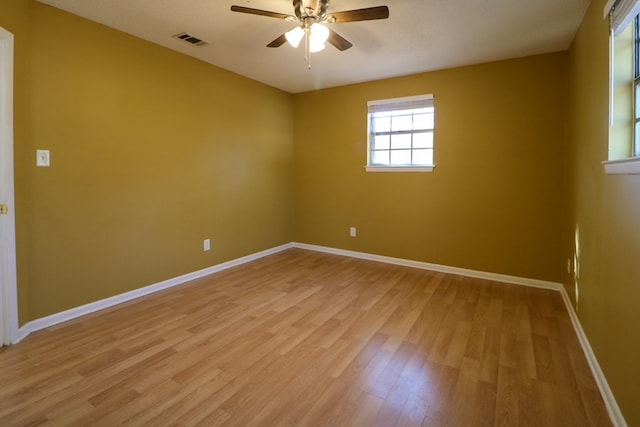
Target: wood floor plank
(466,410)
(442,404)
(306,338)
(422,374)
(506,411)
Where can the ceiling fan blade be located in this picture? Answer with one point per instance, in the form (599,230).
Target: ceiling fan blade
(338,41)
(278,42)
(260,12)
(367,14)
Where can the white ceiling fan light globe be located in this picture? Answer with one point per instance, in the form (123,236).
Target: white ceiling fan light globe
(294,36)
(319,32)
(316,46)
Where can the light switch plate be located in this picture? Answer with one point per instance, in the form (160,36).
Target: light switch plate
(43,159)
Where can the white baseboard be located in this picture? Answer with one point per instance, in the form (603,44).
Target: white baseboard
(615,414)
(612,406)
(54,319)
(514,280)
(613,409)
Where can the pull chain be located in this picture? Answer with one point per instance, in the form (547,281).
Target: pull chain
(307,47)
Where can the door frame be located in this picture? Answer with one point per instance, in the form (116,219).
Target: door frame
(8,276)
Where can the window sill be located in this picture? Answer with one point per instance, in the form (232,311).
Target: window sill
(629,166)
(422,169)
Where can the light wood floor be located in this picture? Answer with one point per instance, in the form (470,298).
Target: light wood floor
(303,338)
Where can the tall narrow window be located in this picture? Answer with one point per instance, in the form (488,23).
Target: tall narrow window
(636,86)
(401,134)
(624,126)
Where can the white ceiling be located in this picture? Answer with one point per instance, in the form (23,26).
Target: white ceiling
(420,35)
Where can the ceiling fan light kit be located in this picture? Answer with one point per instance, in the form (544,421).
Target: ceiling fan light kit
(294,36)
(318,34)
(312,25)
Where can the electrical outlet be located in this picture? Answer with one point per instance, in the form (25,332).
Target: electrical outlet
(207,245)
(353,232)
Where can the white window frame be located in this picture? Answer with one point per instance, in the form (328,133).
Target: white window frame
(398,104)
(621,14)
(636,87)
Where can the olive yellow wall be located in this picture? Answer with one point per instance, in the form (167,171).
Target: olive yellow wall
(151,152)
(606,211)
(493,202)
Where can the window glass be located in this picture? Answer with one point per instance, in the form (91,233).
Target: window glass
(382,142)
(382,123)
(423,140)
(423,156)
(402,123)
(400,141)
(401,157)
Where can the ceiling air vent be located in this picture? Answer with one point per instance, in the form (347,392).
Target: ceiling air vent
(191,39)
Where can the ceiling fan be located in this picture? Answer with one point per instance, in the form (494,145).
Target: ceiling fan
(311,26)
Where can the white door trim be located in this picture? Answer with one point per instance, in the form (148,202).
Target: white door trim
(8,280)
